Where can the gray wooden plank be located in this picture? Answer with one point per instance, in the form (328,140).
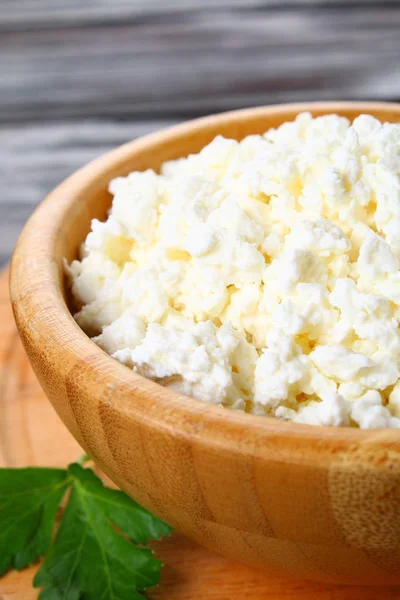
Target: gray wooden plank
(34,159)
(199,65)
(48,13)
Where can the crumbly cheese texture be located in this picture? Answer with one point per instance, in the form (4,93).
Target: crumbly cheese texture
(260,275)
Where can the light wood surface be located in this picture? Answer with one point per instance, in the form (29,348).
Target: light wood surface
(32,434)
(315,502)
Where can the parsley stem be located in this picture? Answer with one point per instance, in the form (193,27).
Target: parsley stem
(83,459)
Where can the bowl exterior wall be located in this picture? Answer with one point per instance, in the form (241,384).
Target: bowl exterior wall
(307,502)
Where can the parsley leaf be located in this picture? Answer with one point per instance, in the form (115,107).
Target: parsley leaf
(29,499)
(97,552)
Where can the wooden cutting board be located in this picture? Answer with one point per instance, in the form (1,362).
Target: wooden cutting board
(32,434)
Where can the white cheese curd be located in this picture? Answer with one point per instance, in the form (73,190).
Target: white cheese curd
(260,275)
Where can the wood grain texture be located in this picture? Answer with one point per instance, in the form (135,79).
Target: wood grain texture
(29,427)
(167,59)
(47,13)
(311,502)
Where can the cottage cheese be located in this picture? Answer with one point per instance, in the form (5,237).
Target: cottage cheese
(260,275)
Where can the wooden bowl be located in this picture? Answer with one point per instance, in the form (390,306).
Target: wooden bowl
(311,502)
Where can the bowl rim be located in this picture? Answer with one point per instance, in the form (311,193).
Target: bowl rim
(33,266)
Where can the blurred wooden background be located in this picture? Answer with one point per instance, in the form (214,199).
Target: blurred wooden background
(78,77)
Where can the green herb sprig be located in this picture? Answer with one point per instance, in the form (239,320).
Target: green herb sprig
(99,549)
